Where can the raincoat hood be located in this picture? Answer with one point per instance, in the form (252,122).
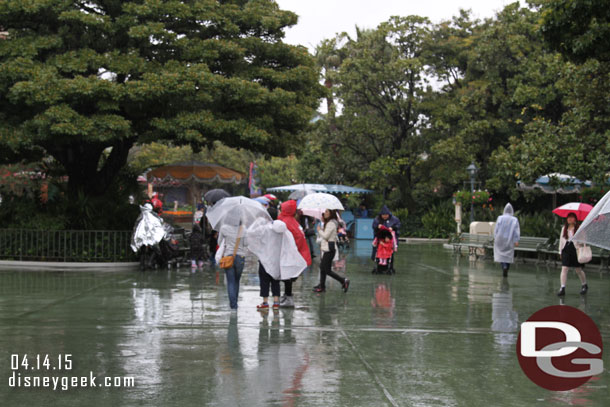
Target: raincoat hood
(508,210)
(289,208)
(385,211)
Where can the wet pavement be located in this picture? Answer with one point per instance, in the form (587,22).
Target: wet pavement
(441,332)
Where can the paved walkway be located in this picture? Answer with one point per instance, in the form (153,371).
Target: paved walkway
(441,332)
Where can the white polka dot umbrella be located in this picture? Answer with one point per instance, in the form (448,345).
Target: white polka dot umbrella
(321,201)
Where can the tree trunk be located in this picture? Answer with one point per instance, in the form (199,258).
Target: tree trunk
(81,162)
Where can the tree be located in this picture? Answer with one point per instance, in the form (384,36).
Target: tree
(86,81)
(502,78)
(577,141)
(380,87)
(579,29)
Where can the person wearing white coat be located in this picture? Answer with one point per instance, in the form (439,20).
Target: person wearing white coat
(506,237)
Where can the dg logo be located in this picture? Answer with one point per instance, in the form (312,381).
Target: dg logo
(560,348)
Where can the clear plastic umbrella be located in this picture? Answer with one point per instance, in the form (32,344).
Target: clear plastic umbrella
(321,201)
(299,194)
(236,210)
(595,229)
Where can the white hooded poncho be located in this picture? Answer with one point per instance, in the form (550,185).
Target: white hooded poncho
(275,248)
(506,234)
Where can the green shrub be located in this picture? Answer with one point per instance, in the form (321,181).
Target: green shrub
(439,221)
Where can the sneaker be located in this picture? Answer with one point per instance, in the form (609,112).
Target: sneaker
(346,285)
(561,292)
(264,305)
(276,305)
(287,301)
(584,289)
(318,289)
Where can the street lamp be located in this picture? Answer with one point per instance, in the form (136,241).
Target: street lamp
(472,171)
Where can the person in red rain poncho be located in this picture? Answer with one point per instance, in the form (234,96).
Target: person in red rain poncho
(288,211)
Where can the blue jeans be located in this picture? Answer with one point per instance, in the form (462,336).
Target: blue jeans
(233,275)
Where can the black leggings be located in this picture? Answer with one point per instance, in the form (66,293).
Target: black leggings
(326,265)
(265,281)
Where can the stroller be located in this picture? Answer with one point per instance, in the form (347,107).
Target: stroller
(342,238)
(386,244)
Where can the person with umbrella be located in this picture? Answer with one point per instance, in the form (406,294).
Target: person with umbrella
(506,237)
(328,234)
(325,206)
(569,257)
(231,216)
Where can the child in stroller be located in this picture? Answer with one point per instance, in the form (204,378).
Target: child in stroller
(385,242)
(342,238)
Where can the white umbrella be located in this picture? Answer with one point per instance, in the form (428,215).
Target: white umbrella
(229,210)
(595,229)
(320,201)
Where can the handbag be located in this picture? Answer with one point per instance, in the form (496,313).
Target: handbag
(584,254)
(226,262)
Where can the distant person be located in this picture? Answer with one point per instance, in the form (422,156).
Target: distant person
(266,281)
(308,225)
(506,237)
(287,215)
(231,234)
(156,203)
(328,234)
(385,218)
(569,257)
(197,243)
(362,212)
(199,213)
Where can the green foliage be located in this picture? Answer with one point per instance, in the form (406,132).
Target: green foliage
(476,197)
(438,222)
(402,214)
(85,81)
(593,195)
(541,224)
(577,28)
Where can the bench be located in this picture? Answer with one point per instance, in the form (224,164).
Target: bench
(538,245)
(472,242)
(598,253)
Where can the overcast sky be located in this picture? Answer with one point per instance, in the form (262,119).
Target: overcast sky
(320,19)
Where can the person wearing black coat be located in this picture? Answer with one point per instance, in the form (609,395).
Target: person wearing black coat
(197,241)
(385,218)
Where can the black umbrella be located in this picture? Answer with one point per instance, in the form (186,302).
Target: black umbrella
(215,195)
(299,194)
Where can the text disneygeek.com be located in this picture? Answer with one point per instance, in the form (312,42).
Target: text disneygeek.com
(46,363)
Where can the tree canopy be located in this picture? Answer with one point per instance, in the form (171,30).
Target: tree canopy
(83,82)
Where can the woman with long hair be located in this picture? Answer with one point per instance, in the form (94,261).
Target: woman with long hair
(569,257)
(328,234)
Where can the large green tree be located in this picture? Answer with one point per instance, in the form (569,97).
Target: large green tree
(577,141)
(84,81)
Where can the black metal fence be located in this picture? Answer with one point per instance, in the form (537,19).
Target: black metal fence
(66,245)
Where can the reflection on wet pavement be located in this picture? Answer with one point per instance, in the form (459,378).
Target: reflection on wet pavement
(442,331)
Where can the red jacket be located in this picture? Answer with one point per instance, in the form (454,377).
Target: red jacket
(384,249)
(289,209)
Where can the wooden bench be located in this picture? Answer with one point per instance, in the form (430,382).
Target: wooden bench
(472,242)
(538,245)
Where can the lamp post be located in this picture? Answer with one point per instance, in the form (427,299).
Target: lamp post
(472,171)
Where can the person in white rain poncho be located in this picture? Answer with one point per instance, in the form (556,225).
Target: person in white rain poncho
(275,248)
(506,236)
